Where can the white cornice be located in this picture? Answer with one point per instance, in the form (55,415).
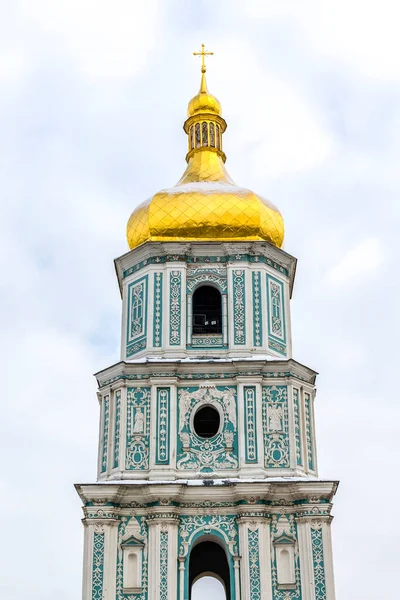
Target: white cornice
(275,489)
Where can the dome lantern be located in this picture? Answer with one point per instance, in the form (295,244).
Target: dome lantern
(205,204)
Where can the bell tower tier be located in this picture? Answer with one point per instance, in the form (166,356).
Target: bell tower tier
(192,299)
(207,462)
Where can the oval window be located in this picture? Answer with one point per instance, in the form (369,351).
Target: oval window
(206,422)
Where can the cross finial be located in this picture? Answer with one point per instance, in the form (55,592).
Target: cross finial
(203,53)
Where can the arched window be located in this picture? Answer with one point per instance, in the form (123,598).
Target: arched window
(217,137)
(209,575)
(197,128)
(204,133)
(207,310)
(212,136)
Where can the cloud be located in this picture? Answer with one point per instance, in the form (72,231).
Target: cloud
(276,122)
(357,264)
(104,40)
(362,35)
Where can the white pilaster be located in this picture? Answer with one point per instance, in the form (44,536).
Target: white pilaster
(306,560)
(328,560)
(262,525)
(87,560)
(110,559)
(265,558)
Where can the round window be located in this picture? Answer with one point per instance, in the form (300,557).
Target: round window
(206,422)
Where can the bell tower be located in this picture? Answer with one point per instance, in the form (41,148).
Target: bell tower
(207,459)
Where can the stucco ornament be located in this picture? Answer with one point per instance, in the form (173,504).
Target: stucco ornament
(205,454)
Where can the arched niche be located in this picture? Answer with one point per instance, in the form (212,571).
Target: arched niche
(208,559)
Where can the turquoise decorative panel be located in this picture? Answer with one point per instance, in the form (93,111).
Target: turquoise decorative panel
(136,327)
(307,414)
(192,527)
(117,428)
(138,428)
(157,319)
(297,426)
(239,312)
(275,426)
(207,454)
(175,308)
(254,564)
(318,563)
(135,526)
(257,312)
(285,525)
(276,315)
(162,427)
(163,565)
(250,428)
(207,341)
(106,425)
(98,566)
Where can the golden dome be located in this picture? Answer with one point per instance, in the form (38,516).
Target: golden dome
(204,102)
(205,204)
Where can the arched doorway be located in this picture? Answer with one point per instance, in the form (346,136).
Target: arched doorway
(207,310)
(208,562)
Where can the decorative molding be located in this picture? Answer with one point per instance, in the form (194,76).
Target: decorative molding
(257,311)
(163,425)
(297,427)
(196,276)
(192,526)
(136,323)
(207,454)
(239,304)
(309,440)
(138,428)
(117,428)
(254,563)
(136,347)
(207,341)
(175,308)
(163,565)
(158,305)
(251,258)
(275,426)
(200,376)
(250,426)
(276,315)
(318,562)
(98,566)
(106,426)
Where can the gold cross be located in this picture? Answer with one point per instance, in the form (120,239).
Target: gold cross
(203,53)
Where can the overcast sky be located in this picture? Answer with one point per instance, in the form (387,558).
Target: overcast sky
(93,95)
